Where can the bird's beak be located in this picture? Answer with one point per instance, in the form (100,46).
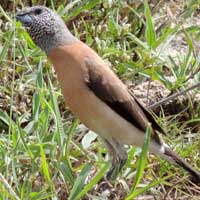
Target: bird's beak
(25,19)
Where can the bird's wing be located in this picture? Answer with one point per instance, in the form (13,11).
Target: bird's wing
(148,114)
(107,86)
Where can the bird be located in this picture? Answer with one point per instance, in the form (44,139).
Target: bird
(94,93)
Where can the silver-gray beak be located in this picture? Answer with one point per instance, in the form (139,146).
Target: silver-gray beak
(25,19)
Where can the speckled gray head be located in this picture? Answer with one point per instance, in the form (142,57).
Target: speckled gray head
(45,27)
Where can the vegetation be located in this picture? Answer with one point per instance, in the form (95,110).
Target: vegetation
(45,153)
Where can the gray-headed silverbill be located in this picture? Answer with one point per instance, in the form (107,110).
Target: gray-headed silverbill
(93,92)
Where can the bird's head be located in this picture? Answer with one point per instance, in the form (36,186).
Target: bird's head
(45,27)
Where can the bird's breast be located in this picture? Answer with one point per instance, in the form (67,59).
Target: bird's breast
(90,109)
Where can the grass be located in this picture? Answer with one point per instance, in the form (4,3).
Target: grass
(45,153)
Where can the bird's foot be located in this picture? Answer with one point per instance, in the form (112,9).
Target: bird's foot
(115,169)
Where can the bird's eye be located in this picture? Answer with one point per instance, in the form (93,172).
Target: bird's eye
(38,11)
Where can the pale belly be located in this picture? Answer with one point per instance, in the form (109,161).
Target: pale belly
(100,118)
(92,112)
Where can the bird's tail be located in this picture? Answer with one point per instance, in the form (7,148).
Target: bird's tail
(173,157)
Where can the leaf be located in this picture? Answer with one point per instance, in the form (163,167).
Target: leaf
(88,139)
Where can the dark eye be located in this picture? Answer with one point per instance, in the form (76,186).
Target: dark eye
(38,11)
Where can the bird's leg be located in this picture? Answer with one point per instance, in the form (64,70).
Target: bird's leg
(118,157)
(114,159)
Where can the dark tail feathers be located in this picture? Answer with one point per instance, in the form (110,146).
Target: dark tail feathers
(175,158)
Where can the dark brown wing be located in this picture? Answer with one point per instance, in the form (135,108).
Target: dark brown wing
(148,114)
(107,86)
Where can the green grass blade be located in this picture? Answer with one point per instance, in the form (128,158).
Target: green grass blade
(39,80)
(86,5)
(79,183)
(142,160)
(165,35)
(5,15)
(136,40)
(58,116)
(21,134)
(94,181)
(66,172)
(5,118)
(36,106)
(70,133)
(6,46)
(45,167)
(140,191)
(150,31)
(8,187)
